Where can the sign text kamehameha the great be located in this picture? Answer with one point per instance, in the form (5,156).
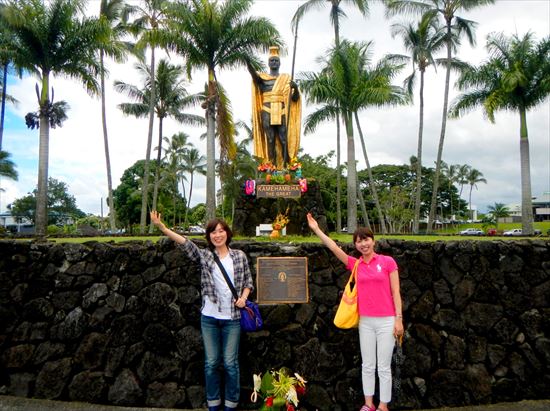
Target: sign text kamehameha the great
(278,190)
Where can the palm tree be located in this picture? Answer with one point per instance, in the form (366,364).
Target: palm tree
(474,177)
(216,36)
(336,12)
(462,176)
(171,99)
(454,27)
(5,61)
(149,26)
(422,42)
(49,38)
(193,162)
(515,77)
(346,85)
(114,13)
(450,171)
(498,210)
(177,146)
(237,171)
(7,167)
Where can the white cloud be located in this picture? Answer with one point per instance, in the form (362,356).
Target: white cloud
(77,151)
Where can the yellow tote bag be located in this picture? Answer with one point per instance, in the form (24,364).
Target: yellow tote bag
(347,315)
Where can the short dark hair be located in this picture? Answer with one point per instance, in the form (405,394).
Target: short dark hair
(361,233)
(211,226)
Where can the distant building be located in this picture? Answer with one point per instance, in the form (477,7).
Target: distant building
(16,224)
(541,209)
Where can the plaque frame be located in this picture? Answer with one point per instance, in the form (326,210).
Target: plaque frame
(272,270)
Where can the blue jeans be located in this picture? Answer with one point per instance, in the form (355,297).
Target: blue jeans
(221,341)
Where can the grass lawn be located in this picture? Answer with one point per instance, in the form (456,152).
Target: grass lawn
(446,234)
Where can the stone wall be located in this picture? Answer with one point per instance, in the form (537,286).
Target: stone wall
(119,324)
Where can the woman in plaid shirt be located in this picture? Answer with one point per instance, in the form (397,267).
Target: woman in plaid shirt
(220,317)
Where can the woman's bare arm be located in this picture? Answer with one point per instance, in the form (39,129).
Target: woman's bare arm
(155,219)
(327,241)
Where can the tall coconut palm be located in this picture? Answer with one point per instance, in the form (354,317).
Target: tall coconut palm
(7,167)
(114,13)
(336,12)
(215,36)
(515,77)
(346,85)
(52,38)
(422,41)
(474,177)
(193,162)
(462,176)
(376,91)
(498,210)
(455,27)
(170,99)
(450,171)
(176,147)
(150,29)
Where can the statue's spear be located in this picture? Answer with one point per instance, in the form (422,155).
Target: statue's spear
(292,76)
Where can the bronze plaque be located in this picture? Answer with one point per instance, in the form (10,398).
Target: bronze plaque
(278,190)
(281,280)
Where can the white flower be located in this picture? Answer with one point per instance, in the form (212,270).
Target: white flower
(257,381)
(299,378)
(292,396)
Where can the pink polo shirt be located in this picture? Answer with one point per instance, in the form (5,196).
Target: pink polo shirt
(374,297)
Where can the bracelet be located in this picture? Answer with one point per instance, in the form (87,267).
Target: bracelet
(399,316)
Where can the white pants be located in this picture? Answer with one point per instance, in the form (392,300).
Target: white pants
(377,341)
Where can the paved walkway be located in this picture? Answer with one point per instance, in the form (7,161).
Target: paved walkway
(8,403)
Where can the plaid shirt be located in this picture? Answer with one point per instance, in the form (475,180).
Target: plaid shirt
(242,278)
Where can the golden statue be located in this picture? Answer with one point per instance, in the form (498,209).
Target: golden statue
(275,139)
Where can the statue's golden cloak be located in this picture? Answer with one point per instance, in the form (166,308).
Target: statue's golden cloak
(278,96)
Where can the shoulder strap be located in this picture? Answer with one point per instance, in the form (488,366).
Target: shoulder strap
(222,269)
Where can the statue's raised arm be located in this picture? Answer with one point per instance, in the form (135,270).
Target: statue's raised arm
(276,113)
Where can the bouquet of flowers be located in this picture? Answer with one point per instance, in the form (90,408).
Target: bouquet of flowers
(266,167)
(281,220)
(294,164)
(279,390)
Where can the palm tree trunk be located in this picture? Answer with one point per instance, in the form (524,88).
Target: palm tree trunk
(210,149)
(338,151)
(352,175)
(3,112)
(189,200)
(338,178)
(372,186)
(526,201)
(435,189)
(470,202)
(363,206)
(157,173)
(145,187)
(416,221)
(112,213)
(41,216)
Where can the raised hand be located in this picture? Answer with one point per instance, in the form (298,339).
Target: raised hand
(313,225)
(155,217)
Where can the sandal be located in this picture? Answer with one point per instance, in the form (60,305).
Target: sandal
(367,408)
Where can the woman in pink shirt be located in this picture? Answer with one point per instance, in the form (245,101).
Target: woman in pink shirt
(380,310)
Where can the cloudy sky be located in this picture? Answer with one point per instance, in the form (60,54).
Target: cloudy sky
(77,152)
